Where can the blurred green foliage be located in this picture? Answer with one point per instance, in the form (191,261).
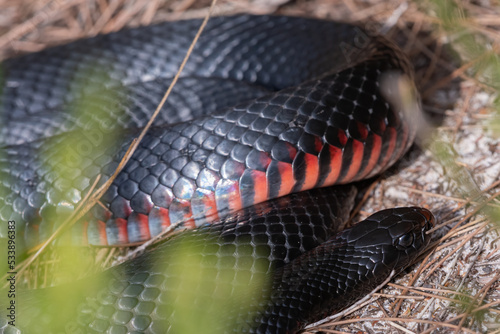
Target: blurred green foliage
(211,293)
(473,46)
(465,303)
(480,54)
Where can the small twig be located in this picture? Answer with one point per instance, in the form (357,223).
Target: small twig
(75,215)
(92,197)
(401,328)
(473,261)
(387,295)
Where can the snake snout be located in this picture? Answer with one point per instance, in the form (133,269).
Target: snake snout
(427,225)
(417,221)
(430,220)
(424,221)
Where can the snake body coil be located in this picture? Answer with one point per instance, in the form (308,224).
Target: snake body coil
(311,114)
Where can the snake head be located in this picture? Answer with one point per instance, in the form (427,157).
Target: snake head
(396,237)
(345,270)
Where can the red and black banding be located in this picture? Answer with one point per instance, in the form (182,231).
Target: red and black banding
(116,231)
(371,151)
(159,220)
(280,179)
(347,157)
(204,205)
(356,162)
(330,165)
(253,181)
(227,191)
(306,163)
(346,147)
(121,230)
(330,157)
(353,156)
(253,186)
(85,231)
(373,148)
(180,213)
(138,227)
(393,139)
(227,195)
(97,232)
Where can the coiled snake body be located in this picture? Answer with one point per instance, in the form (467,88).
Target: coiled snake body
(293,104)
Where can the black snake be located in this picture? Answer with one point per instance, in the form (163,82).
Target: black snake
(293,104)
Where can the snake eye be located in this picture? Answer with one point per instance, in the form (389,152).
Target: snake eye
(405,240)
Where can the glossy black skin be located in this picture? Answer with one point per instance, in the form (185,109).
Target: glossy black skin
(251,243)
(308,277)
(345,268)
(325,99)
(286,242)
